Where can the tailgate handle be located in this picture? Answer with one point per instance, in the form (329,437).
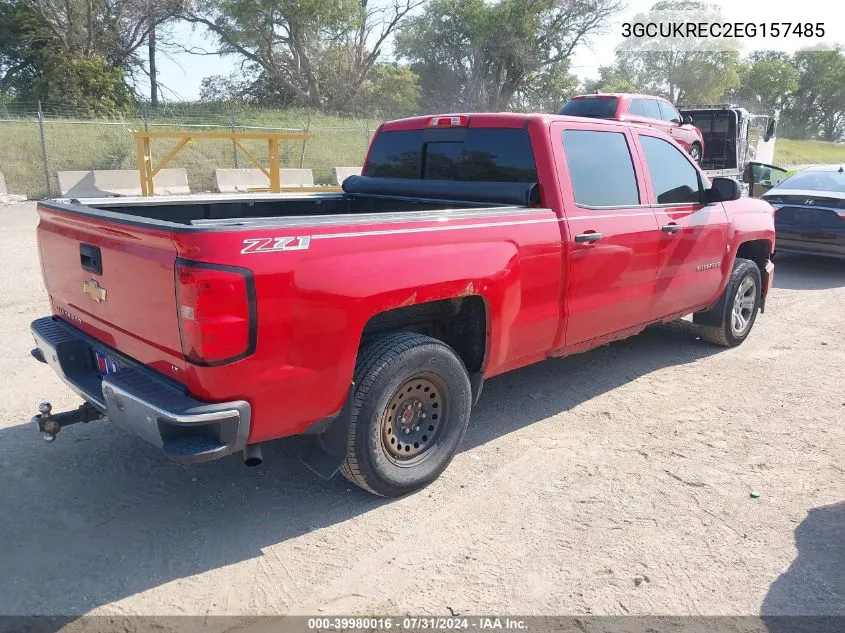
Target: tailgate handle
(90,258)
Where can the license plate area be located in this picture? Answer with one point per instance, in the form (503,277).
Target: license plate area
(105,364)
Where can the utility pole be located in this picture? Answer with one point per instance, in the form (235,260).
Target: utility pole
(152,55)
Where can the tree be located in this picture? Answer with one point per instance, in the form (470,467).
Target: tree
(250,85)
(24,42)
(546,90)
(615,78)
(390,91)
(817,109)
(87,84)
(319,50)
(477,55)
(112,30)
(767,80)
(684,70)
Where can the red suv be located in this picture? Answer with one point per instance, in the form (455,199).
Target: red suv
(655,112)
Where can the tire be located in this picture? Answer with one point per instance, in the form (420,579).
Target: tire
(410,409)
(739,306)
(695,153)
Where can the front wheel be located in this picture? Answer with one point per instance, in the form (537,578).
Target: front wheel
(410,410)
(695,153)
(738,306)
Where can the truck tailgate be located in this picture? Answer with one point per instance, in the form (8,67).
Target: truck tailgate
(115,281)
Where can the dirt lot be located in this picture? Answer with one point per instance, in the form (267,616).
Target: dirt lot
(609,483)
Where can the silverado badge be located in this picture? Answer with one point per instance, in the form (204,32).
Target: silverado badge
(94,290)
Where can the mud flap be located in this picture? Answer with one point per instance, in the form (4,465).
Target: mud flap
(326,453)
(715,316)
(476,382)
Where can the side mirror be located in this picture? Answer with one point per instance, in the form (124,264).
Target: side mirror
(723,190)
(686,119)
(770,131)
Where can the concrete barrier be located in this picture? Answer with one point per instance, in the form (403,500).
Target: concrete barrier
(243,180)
(339,174)
(120,182)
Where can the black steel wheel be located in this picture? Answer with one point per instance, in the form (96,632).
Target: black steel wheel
(411,406)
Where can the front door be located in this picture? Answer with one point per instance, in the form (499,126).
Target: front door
(611,229)
(693,239)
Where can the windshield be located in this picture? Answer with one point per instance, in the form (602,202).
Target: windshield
(594,107)
(815,181)
(474,154)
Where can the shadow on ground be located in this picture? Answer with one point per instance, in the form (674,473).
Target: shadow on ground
(805,272)
(99,515)
(814,584)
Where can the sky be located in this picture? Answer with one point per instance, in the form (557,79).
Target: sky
(183,73)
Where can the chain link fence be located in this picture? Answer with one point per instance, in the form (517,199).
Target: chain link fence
(39,140)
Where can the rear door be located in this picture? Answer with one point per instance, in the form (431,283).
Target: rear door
(613,232)
(115,281)
(636,112)
(693,236)
(652,115)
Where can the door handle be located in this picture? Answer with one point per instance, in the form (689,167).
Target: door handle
(671,228)
(588,237)
(90,258)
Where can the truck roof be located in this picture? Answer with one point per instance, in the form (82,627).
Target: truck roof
(495,119)
(619,95)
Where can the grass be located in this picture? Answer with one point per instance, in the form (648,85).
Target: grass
(789,152)
(84,145)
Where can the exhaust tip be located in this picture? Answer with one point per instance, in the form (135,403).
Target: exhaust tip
(252,455)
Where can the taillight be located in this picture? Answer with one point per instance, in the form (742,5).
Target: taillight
(448,121)
(216,307)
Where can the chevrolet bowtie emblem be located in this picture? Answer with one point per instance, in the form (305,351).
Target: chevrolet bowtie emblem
(94,290)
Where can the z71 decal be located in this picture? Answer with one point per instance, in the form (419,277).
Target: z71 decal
(275,244)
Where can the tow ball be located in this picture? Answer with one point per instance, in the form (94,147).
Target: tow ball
(49,425)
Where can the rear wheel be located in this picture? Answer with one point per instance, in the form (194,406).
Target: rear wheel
(410,410)
(695,152)
(738,306)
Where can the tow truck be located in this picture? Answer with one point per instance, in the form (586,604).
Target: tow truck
(737,144)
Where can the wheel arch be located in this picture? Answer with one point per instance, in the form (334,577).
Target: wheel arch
(462,323)
(758,251)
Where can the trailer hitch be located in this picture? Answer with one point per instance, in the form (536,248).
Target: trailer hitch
(49,425)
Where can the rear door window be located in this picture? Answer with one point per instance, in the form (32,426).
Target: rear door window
(650,109)
(673,178)
(636,107)
(600,168)
(465,154)
(593,107)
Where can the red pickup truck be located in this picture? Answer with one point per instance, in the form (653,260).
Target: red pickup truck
(369,319)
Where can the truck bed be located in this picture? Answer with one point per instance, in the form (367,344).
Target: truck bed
(362,195)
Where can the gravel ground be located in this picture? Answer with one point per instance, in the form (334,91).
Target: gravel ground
(615,482)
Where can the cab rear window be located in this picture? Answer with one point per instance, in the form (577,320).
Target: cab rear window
(466,154)
(593,107)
